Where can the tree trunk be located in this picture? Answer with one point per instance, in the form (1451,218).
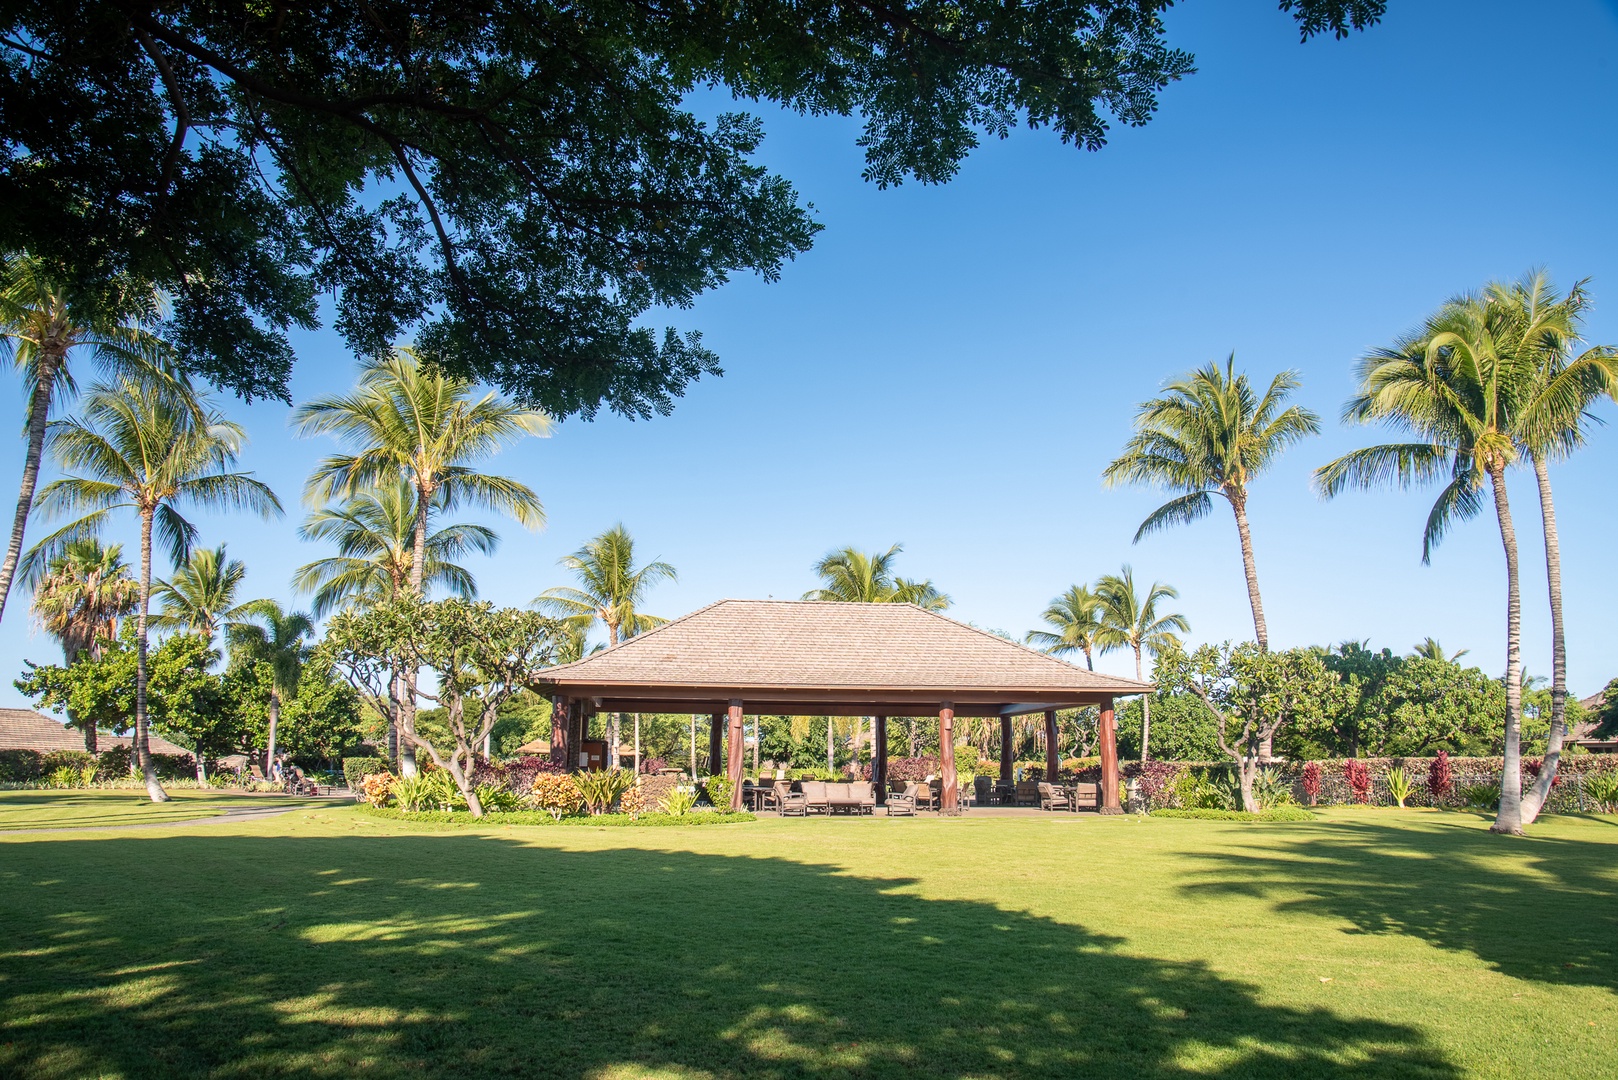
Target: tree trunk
(1509,817)
(1261,631)
(407,724)
(275,720)
(831,753)
(1247,770)
(407,700)
(1145,708)
(613,721)
(143,750)
(1534,799)
(1089,658)
(39,411)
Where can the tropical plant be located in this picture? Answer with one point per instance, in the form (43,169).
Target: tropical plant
(1429,649)
(42,327)
(1439,781)
(377,787)
(413,793)
(1211,434)
(1602,788)
(719,790)
(201,595)
(679,801)
(1311,781)
(1479,796)
(263,632)
(1399,785)
(611,591)
(79,599)
(1075,619)
(1129,619)
(557,793)
(634,801)
(145,445)
(851,576)
(408,421)
(496,799)
(600,788)
(1357,775)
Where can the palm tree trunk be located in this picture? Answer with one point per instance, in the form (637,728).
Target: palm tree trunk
(1534,799)
(39,411)
(1509,817)
(831,754)
(1145,708)
(143,750)
(1089,658)
(275,721)
(407,700)
(1261,631)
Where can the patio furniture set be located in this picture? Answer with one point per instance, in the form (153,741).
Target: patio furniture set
(804,797)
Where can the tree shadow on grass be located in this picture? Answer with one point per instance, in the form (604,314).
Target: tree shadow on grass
(1541,908)
(456,955)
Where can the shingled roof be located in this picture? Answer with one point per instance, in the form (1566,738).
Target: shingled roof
(25,729)
(814,656)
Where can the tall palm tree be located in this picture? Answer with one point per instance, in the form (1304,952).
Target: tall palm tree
(374,531)
(1129,619)
(79,599)
(1075,621)
(43,329)
(853,576)
(611,591)
(265,632)
(140,445)
(406,419)
(1210,434)
(1430,649)
(201,596)
(1563,383)
(1455,386)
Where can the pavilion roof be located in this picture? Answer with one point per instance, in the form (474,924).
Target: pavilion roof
(814,652)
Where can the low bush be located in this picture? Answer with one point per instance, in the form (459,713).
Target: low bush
(678,803)
(1399,786)
(718,791)
(1278,813)
(634,801)
(376,788)
(21,766)
(77,760)
(540,817)
(556,794)
(1602,789)
(356,769)
(1479,796)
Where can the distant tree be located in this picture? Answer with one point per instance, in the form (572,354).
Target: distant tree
(852,576)
(201,594)
(78,600)
(263,632)
(1606,713)
(1075,619)
(1211,434)
(324,718)
(1129,619)
(97,690)
(187,702)
(1429,649)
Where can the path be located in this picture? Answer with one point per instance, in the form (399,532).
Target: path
(252,813)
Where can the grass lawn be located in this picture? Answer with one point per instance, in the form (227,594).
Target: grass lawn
(328,943)
(71,809)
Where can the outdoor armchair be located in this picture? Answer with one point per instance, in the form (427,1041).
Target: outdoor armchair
(792,803)
(925,795)
(1027,793)
(1085,795)
(903,804)
(982,790)
(1052,797)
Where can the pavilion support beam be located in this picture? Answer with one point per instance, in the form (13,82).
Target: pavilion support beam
(561,733)
(950,802)
(716,735)
(738,750)
(1007,747)
(1108,737)
(1053,756)
(879,758)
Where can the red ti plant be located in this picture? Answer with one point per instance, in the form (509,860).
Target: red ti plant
(1438,778)
(1311,781)
(1358,775)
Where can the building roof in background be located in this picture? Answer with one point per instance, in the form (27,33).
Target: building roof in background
(25,729)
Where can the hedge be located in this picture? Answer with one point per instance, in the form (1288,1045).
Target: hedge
(1278,813)
(356,769)
(540,817)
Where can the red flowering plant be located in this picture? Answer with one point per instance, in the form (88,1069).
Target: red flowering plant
(1439,781)
(1358,776)
(1311,781)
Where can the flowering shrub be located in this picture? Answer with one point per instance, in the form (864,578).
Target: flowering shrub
(556,793)
(1358,776)
(1532,767)
(376,787)
(912,768)
(1311,781)
(1439,782)
(634,801)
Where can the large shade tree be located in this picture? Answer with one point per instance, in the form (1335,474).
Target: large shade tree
(45,329)
(1130,619)
(1210,434)
(79,599)
(146,446)
(516,183)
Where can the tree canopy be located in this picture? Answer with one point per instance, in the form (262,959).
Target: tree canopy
(513,183)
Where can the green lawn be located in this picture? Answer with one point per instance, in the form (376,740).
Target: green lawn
(72,809)
(329,943)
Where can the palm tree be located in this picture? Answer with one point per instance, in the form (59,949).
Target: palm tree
(1430,649)
(141,446)
(610,592)
(201,595)
(79,599)
(852,576)
(42,329)
(1130,620)
(374,533)
(1075,621)
(1455,386)
(264,632)
(1208,435)
(408,420)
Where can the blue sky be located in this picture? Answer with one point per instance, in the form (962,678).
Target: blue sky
(952,367)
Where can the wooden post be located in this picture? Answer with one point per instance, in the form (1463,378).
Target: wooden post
(579,723)
(879,758)
(1108,737)
(738,748)
(1053,759)
(561,732)
(1006,748)
(950,803)
(716,733)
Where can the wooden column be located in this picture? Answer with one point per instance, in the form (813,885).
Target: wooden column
(716,734)
(879,758)
(561,733)
(579,722)
(738,750)
(950,802)
(1053,757)
(1108,737)
(1006,749)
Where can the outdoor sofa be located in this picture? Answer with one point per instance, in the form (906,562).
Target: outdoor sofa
(858,797)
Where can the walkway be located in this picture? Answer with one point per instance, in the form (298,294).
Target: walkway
(253,813)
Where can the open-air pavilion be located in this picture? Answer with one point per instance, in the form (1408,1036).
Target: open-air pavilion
(795,657)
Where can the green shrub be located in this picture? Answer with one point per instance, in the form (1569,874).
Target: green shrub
(718,788)
(1602,789)
(1399,785)
(77,760)
(679,802)
(356,769)
(540,817)
(1479,796)
(1279,813)
(1270,789)
(413,793)
(496,799)
(21,766)
(601,788)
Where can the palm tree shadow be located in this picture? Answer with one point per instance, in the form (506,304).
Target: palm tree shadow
(454,955)
(1543,908)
